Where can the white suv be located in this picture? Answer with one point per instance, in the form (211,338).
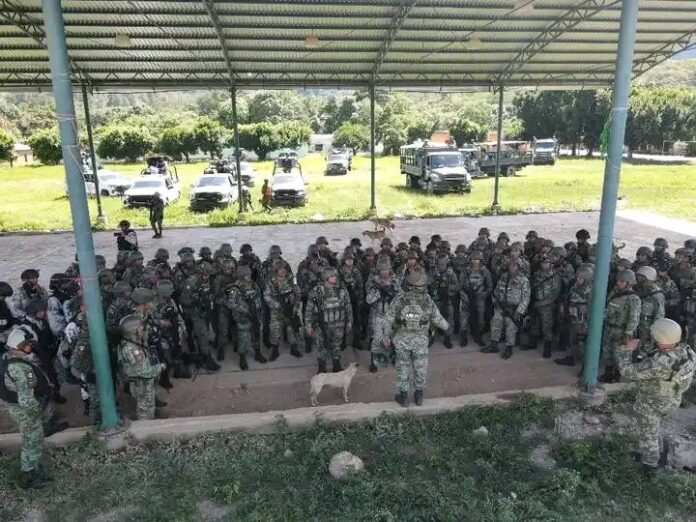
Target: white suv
(142,190)
(213,191)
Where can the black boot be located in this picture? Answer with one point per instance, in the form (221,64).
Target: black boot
(402,398)
(243,362)
(373,366)
(164,381)
(308,345)
(55,427)
(258,356)
(221,353)
(274,352)
(447,341)
(209,364)
(547,349)
(508,352)
(85,407)
(321,367)
(295,352)
(491,348)
(531,344)
(608,375)
(181,371)
(418,397)
(566,361)
(463,338)
(337,366)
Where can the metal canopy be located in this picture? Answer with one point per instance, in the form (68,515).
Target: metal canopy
(339,43)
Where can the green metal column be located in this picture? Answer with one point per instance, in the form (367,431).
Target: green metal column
(237,152)
(63,94)
(92,155)
(500,140)
(610,191)
(373,199)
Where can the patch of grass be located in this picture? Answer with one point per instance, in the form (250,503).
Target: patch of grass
(416,468)
(34,197)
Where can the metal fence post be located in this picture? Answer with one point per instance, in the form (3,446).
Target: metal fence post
(237,151)
(373,199)
(92,155)
(500,140)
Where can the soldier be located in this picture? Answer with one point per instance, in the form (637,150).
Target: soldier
(284,300)
(351,279)
(369,263)
(245,300)
(652,301)
(100,261)
(661,380)
(325,252)
(134,273)
(475,286)
(643,258)
(136,362)
(161,264)
(573,257)
(443,285)
(356,247)
(248,258)
(670,290)
(26,391)
(414,243)
(328,316)
(205,255)
(149,278)
(410,318)
(121,263)
(578,304)
(308,277)
(196,303)
(460,261)
(107,279)
(660,253)
(529,243)
(583,243)
(82,367)
(401,256)
(227,250)
(412,263)
(55,312)
(381,289)
(156,206)
(275,255)
(30,290)
(683,274)
(385,249)
(511,300)
(483,238)
(620,323)
(546,290)
(221,286)
(516,254)
(166,316)
(6,319)
(126,238)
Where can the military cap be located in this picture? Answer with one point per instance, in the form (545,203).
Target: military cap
(207,269)
(627,276)
(142,296)
(129,326)
(275,250)
(414,239)
(644,251)
(245,249)
(532,234)
(582,234)
(386,242)
(356,242)
(417,278)
(164,288)
(205,251)
(244,271)
(162,254)
(321,240)
(185,250)
(369,251)
(122,288)
(666,331)
(29,273)
(5,289)
(503,235)
(383,263)
(585,273)
(661,242)
(647,272)
(477,254)
(35,306)
(483,231)
(135,255)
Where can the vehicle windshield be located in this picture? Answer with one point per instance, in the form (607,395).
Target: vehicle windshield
(211,181)
(285,179)
(545,145)
(337,157)
(246,168)
(108,177)
(438,161)
(147,184)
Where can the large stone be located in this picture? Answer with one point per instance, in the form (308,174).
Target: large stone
(571,424)
(681,451)
(344,463)
(480,432)
(541,458)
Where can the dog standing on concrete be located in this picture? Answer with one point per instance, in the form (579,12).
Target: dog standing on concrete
(334,380)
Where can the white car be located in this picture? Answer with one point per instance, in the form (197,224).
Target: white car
(213,191)
(110,183)
(248,174)
(289,189)
(142,190)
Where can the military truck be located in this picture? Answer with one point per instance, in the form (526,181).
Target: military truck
(514,156)
(545,151)
(435,167)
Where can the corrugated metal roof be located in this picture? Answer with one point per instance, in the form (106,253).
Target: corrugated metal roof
(391,43)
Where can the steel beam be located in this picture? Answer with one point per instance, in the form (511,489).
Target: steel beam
(398,20)
(610,190)
(65,108)
(685,42)
(226,55)
(499,139)
(92,155)
(237,151)
(373,196)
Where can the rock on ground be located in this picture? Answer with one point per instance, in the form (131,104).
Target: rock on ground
(681,451)
(481,432)
(542,459)
(344,463)
(209,511)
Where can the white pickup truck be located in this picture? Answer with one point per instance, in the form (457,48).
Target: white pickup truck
(142,190)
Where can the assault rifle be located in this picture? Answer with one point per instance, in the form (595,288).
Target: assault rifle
(505,309)
(286,306)
(323,327)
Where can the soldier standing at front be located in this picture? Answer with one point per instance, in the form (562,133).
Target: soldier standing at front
(381,288)
(546,289)
(245,300)
(661,380)
(652,301)
(156,214)
(579,297)
(410,317)
(197,304)
(284,300)
(328,316)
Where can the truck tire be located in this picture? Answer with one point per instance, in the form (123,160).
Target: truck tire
(510,171)
(104,193)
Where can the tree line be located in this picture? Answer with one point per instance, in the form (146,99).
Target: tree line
(129,126)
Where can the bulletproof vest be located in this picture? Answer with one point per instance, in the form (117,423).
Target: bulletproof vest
(43,388)
(332,307)
(477,280)
(412,315)
(683,372)
(616,314)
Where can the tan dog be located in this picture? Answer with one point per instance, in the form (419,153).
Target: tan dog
(383,223)
(376,235)
(334,380)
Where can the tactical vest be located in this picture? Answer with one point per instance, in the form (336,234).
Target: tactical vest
(332,307)
(412,315)
(42,391)
(683,373)
(617,314)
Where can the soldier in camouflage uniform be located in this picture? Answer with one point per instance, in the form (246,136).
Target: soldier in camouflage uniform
(134,273)
(248,258)
(351,279)
(82,367)
(166,315)
(652,301)
(621,319)
(30,290)
(275,255)
(327,317)
(583,244)
(412,263)
(308,277)
(197,304)
(284,300)
(578,306)
(443,284)
(161,264)
(684,276)
(107,280)
(205,255)
(401,256)
(546,290)
(661,380)
(475,286)
(529,243)
(572,256)
(245,300)
(136,362)
(511,300)
(328,257)
(221,285)
(660,254)
(670,290)
(410,318)
(385,250)
(381,289)
(643,258)
(26,393)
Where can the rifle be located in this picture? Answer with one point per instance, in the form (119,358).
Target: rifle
(386,294)
(253,314)
(323,327)
(504,308)
(287,308)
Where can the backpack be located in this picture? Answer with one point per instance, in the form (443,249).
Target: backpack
(43,388)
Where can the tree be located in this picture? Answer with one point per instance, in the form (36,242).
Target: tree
(276,106)
(224,114)
(6,146)
(208,134)
(353,135)
(293,134)
(46,146)
(262,138)
(121,142)
(178,141)
(336,115)
(110,142)
(466,131)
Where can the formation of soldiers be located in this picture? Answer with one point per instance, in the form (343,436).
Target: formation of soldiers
(172,320)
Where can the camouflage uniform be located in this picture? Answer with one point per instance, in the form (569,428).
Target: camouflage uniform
(620,319)
(661,379)
(379,296)
(579,298)
(443,286)
(82,366)
(652,308)
(165,315)
(352,281)
(546,289)
(21,297)
(246,302)
(672,296)
(284,300)
(134,273)
(476,285)
(221,286)
(196,303)
(333,302)
(513,294)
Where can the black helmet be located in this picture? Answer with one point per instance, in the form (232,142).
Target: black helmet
(245,249)
(29,273)
(582,234)
(5,289)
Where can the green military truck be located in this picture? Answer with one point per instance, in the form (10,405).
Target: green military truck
(434,167)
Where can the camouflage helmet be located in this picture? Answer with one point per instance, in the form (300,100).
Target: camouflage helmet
(356,242)
(134,256)
(503,236)
(666,331)
(321,240)
(532,234)
(682,252)
(661,242)
(477,255)
(386,243)
(648,273)
(205,251)
(122,256)
(417,279)
(129,326)
(559,252)
(626,276)
(106,276)
(402,246)
(582,234)
(624,263)
(483,231)
(226,248)
(369,251)
(460,248)
(435,238)
(187,259)
(585,273)
(591,266)
(383,263)
(280,265)
(644,251)
(518,246)
(348,254)
(571,246)
(690,243)
(185,250)
(275,250)
(29,273)
(207,269)
(164,288)
(245,249)
(312,249)
(414,239)
(548,244)
(142,296)
(329,272)
(122,288)
(227,264)
(244,271)
(162,254)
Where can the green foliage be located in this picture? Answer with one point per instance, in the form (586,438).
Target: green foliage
(262,138)
(277,106)
(224,113)
(466,131)
(293,134)
(208,135)
(178,141)
(353,135)
(7,142)
(122,142)
(46,146)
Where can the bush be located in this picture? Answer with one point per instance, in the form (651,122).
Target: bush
(6,146)
(122,142)
(46,146)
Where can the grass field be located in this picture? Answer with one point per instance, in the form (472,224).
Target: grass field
(33,198)
(416,468)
